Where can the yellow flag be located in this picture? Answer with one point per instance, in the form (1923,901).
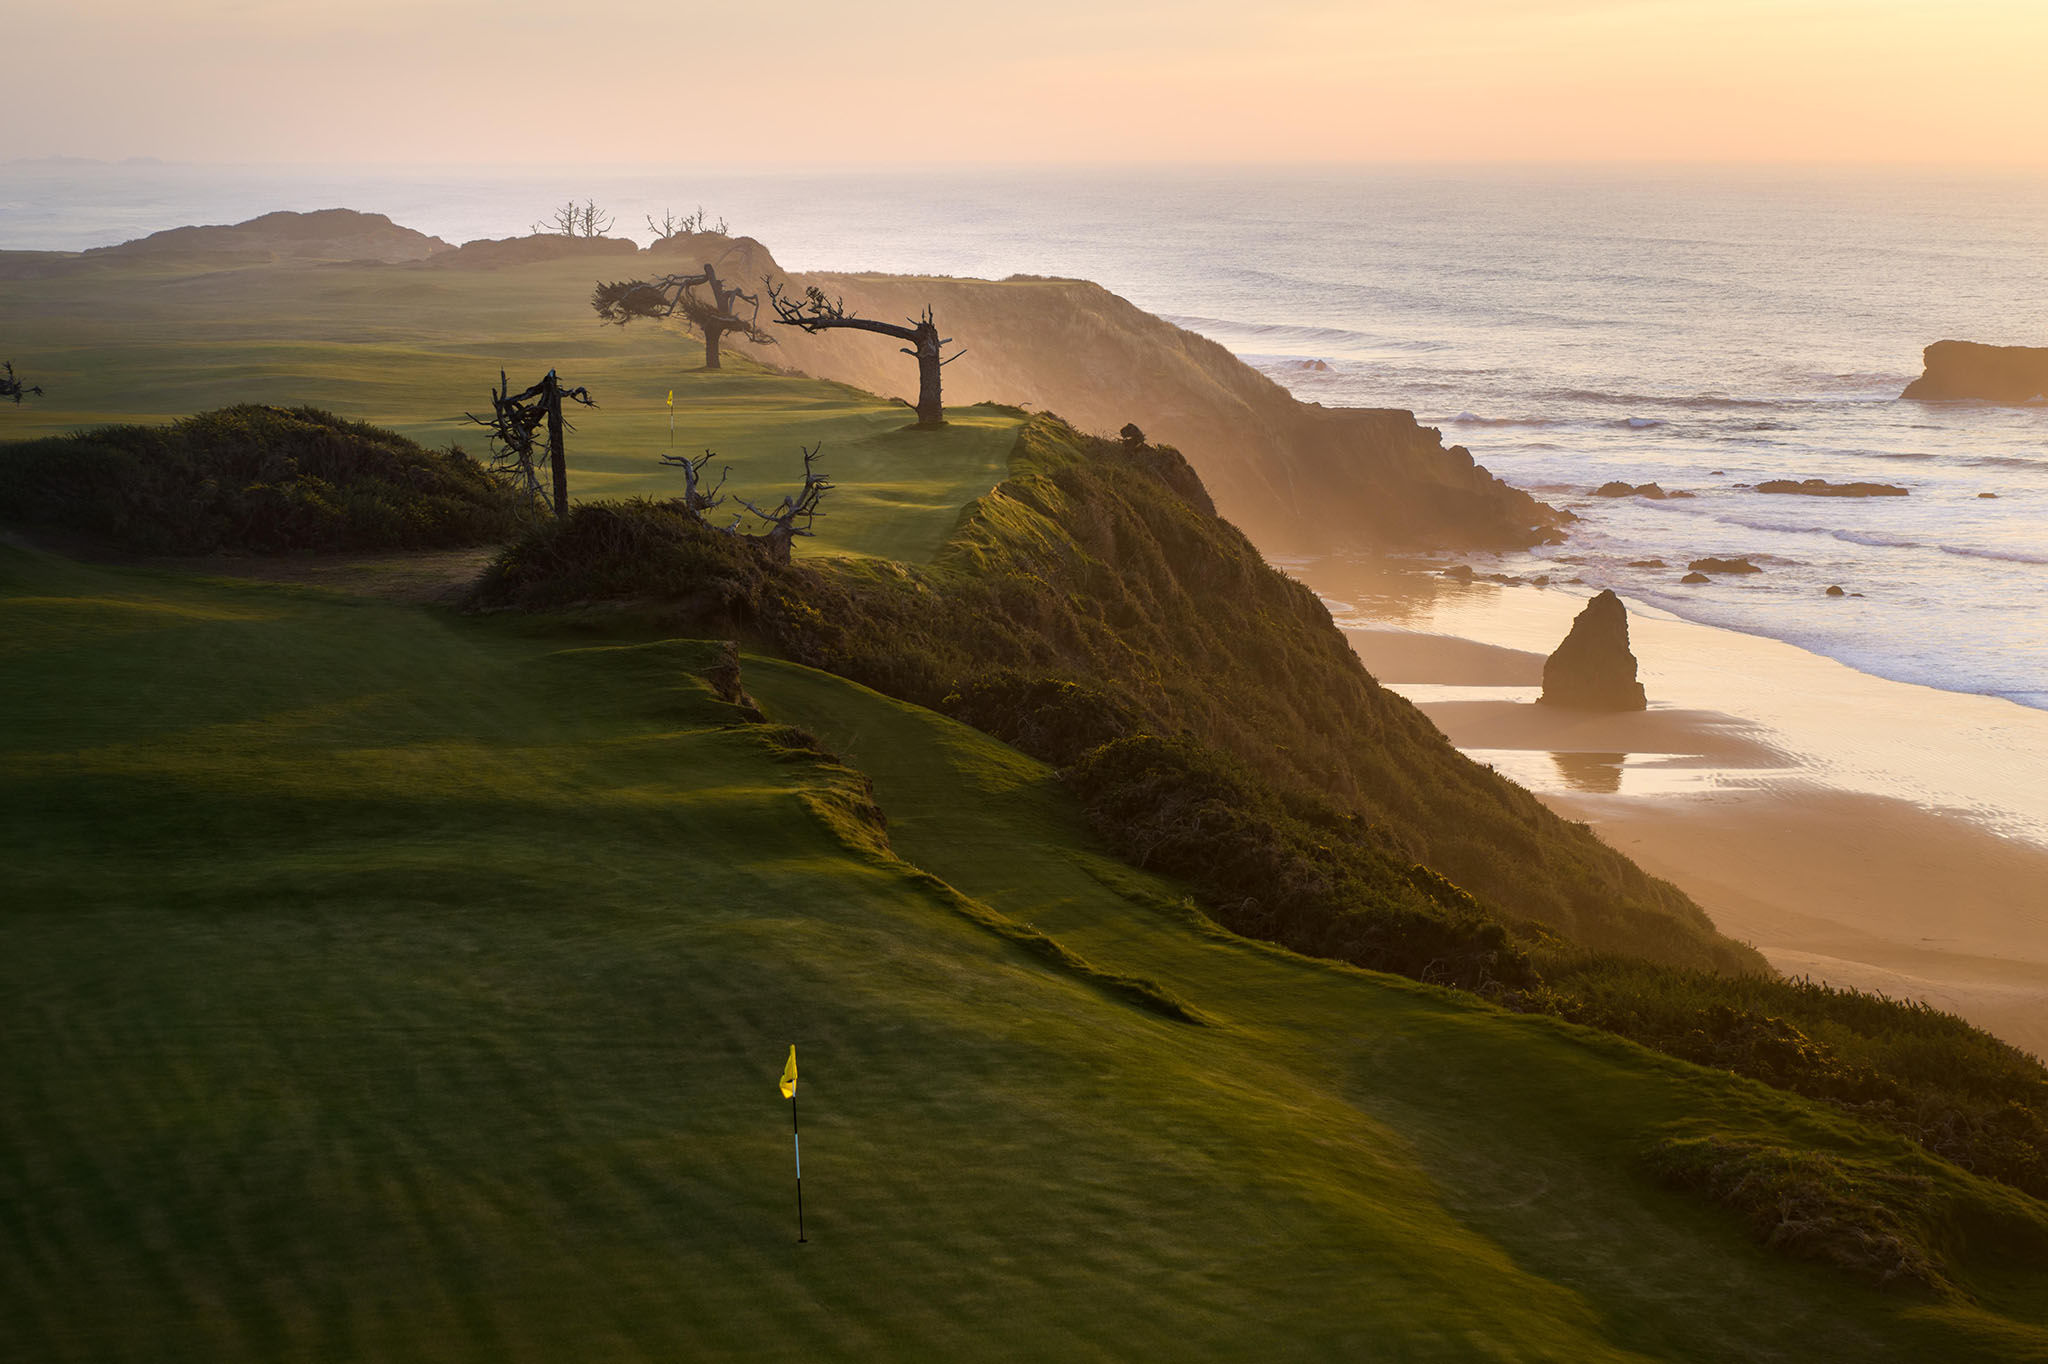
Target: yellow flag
(789,1074)
(671,397)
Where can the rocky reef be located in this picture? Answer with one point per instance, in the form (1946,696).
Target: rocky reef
(1970,369)
(1820,487)
(1593,669)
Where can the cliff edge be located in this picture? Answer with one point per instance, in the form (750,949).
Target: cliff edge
(1295,476)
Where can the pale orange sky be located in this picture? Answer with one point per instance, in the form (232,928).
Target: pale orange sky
(1055,81)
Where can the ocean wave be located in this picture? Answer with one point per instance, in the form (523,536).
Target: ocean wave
(1473,419)
(1706,402)
(1642,423)
(2008,461)
(1290,333)
(2007,556)
(1874,540)
(1877,541)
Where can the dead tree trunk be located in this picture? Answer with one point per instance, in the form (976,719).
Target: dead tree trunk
(816,313)
(515,423)
(556,455)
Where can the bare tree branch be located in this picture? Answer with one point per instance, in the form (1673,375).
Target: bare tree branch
(11,387)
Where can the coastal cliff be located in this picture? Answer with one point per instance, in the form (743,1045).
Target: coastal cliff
(1970,369)
(1296,476)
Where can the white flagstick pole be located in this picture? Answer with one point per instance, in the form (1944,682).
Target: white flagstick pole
(796,1143)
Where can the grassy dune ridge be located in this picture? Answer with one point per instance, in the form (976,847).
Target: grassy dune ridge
(1218,728)
(385,984)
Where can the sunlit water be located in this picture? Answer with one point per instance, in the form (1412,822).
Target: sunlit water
(1701,330)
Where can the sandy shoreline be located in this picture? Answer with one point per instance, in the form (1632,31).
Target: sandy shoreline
(1862,832)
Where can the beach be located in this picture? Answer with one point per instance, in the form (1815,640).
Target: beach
(1858,831)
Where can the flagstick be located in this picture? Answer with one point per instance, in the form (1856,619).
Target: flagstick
(796,1143)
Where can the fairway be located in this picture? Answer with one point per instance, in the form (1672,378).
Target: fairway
(384,984)
(414,347)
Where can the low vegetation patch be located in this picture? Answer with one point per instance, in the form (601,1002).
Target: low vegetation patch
(1217,727)
(1860,1215)
(258,480)
(1953,1088)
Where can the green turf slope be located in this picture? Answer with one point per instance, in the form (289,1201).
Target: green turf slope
(413,348)
(380,984)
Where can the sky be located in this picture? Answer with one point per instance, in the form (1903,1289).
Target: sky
(889,82)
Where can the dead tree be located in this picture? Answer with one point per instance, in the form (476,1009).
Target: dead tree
(576,220)
(705,303)
(514,424)
(687,225)
(11,387)
(795,515)
(816,313)
(695,500)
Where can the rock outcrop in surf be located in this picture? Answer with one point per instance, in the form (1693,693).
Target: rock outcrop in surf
(1820,487)
(1593,669)
(1970,369)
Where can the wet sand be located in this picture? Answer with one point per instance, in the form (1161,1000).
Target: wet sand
(1858,831)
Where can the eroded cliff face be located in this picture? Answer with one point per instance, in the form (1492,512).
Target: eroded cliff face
(1296,476)
(1970,369)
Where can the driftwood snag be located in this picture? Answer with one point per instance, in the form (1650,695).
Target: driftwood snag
(816,313)
(514,424)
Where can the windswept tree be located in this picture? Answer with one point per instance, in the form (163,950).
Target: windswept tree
(706,304)
(11,387)
(515,423)
(816,313)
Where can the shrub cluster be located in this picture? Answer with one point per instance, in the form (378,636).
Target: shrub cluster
(1859,1215)
(262,480)
(1954,1089)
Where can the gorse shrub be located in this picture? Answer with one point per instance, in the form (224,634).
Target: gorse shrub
(1859,1215)
(262,480)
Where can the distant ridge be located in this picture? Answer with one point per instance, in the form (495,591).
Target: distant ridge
(328,234)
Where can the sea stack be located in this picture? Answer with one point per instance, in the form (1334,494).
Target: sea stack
(1968,369)
(1593,669)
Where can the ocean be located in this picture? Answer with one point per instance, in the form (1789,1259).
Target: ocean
(1699,329)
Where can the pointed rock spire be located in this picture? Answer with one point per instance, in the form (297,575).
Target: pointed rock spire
(1593,669)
